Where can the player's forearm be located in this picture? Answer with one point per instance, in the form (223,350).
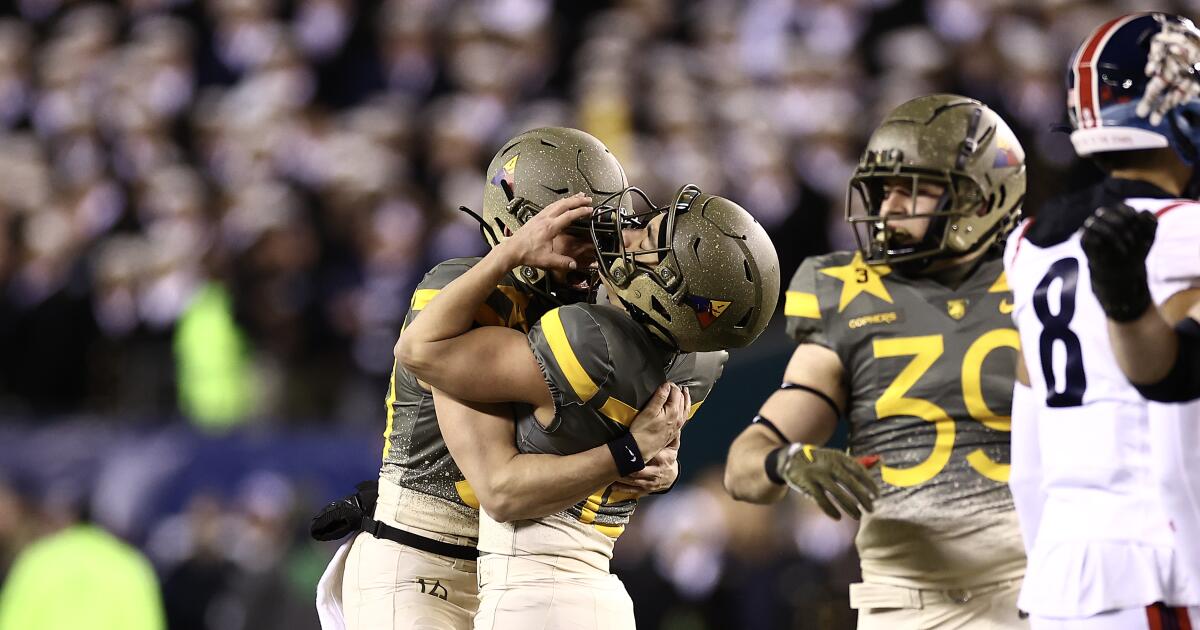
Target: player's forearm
(535,485)
(1145,348)
(745,470)
(451,312)
(798,416)
(510,485)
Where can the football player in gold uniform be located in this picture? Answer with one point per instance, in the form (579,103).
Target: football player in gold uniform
(414,566)
(909,340)
(698,277)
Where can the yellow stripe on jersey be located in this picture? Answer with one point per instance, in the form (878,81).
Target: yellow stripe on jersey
(618,411)
(623,414)
(391,412)
(487,316)
(591,505)
(612,531)
(520,301)
(422,297)
(466,493)
(800,304)
(583,385)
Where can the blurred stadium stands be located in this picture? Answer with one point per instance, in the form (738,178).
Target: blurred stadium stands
(214,212)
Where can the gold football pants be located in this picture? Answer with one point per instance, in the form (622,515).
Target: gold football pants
(518,594)
(986,607)
(388,586)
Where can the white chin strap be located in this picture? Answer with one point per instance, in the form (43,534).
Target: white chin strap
(1104,139)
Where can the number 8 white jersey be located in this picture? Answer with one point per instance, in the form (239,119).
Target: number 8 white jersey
(1107,494)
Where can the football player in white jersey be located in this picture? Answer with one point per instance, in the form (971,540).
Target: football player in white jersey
(1088,463)
(1158,350)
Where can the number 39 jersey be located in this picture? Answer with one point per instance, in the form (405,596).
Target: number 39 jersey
(929,374)
(1104,540)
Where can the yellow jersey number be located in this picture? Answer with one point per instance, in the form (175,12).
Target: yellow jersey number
(925,351)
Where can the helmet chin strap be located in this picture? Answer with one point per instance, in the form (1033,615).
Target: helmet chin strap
(485,230)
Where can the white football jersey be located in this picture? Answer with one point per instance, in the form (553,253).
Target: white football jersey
(1114,479)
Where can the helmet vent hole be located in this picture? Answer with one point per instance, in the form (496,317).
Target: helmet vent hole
(696,248)
(549,144)
(745,320)
(746,268)
(659,308)
(1003,196)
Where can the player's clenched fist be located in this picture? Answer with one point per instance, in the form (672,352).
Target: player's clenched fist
(1117,239)
(824,473)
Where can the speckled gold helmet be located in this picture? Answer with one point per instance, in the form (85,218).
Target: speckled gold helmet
(953,141)
(535,169)
(711,283)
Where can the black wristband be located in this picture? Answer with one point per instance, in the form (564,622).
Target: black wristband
(626,454)
(771,464)
(1182,383)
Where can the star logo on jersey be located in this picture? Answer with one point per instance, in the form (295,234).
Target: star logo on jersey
(858,277)
(707,309)
(506,173)
(956,308)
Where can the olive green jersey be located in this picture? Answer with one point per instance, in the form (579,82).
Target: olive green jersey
(602,367)
(929,374)
(414,454)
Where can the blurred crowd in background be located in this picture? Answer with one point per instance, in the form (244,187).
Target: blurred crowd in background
(214,212)
(218,208)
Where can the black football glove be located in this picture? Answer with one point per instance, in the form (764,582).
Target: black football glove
(1117,239)
(344,516)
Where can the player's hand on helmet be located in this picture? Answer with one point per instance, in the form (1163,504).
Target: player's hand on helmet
(1117,239)
(1171,70)
(829,476)
(657,425)
(658,475)
(533,244)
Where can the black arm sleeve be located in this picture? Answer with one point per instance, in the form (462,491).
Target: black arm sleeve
(1182,383)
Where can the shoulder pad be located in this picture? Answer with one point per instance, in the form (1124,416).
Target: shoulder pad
(446,272)
(572,349)
(1173,264)
(699,372)
(802,305)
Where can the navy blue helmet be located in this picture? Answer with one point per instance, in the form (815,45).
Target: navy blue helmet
(1117,68)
